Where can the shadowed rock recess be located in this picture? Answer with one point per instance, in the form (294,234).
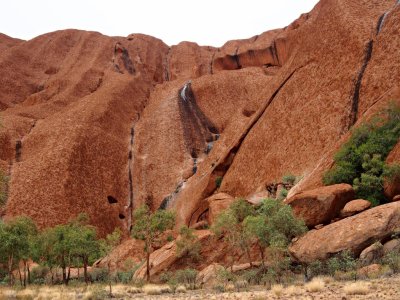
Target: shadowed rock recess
(98,124)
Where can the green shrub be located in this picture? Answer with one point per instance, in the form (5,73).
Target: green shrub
(124,277)
(289,179)
(283,194)
(218,181)
(39,273)
(99,275)
(361,161)
(252,276)
(392,259)
(225,276)
(187,277)
(188,245)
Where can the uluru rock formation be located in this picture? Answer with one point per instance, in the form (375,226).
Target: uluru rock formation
(101,124)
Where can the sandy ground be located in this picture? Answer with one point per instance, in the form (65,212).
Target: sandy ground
(383,288)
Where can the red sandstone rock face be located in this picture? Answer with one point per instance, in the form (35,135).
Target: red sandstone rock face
(105,124)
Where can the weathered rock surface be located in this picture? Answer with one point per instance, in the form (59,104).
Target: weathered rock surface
(369,270)
(256,198)
(371,253)
(217,204)
(390,246)
(101,124)
(208,276)
(354,233)
(354,207)
(321,205)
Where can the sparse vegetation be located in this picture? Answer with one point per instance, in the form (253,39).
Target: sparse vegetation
(218,181)
(361,161)
(148,227)
(3,188)
(356,288)
(289,179)
(315,285)
(273,226)
(230,226)
(277,290)
(188,245)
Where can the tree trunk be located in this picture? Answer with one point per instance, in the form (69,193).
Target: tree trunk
(20,276)
(69,274)
(64,270)
(249,256)
(10,274)
(109,277)
(25,263)
(262,255)
(52,276)
(29,273)
(85,264)
(148,266)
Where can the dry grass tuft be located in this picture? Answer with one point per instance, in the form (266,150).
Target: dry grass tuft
(180,289)
(357,288)
(277,290)
(327,279)
(133,290)
(7,294)
(293,290)
(315,285)
(152,289)
(230,287)
(26,294)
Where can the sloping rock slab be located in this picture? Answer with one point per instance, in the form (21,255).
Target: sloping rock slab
(354,233)
(163,258)
(321,205)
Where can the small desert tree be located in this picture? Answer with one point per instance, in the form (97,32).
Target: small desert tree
(229,224)
(188,244)
(274,225)
(15,237)
(148,227)
(63,246)
(111,241)
(85,245)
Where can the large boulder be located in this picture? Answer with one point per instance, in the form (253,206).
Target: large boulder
(321,205)
(354,207)
(354,233)
(371,253)
(391,246)
(217,204)
(208,276)
(257,197)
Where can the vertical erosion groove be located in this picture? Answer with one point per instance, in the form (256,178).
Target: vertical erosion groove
(198,130)
(357,86)
(130,194)
(167,75)
(198,133)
